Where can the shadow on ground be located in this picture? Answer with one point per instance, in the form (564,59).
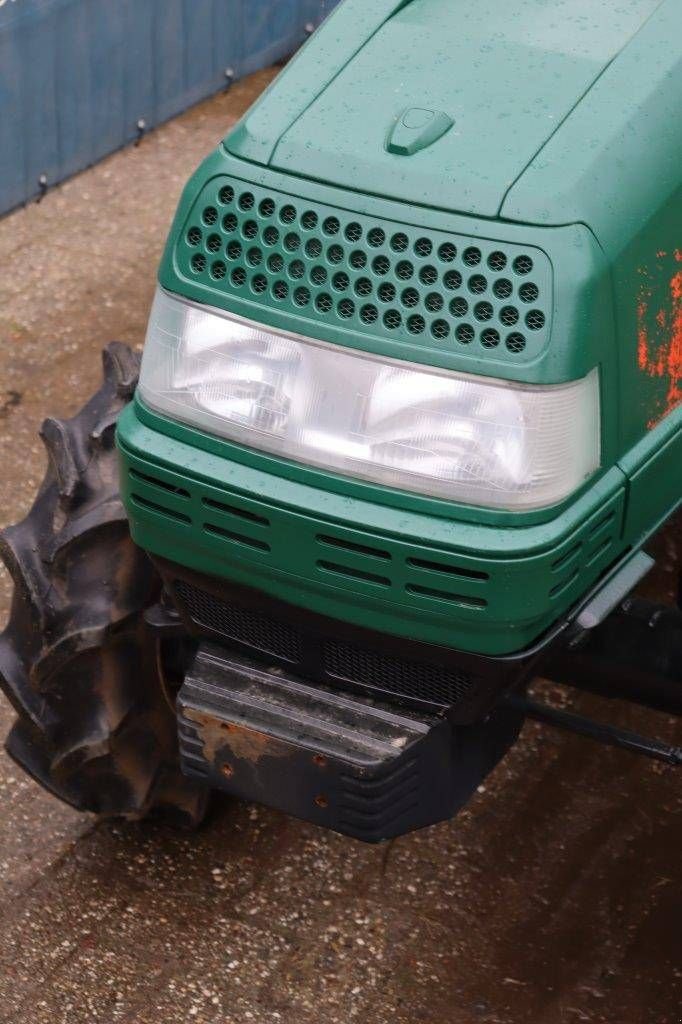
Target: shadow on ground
(554,897)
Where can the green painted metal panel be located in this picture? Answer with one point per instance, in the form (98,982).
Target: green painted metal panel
(442,291)
(654,471)
(568,271)
(408,574)
(347,30)
(507,74)
(615,166)
(306,245)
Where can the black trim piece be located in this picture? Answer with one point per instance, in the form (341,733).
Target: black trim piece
(326,651)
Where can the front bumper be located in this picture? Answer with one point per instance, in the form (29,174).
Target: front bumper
(342,762)
(465,586)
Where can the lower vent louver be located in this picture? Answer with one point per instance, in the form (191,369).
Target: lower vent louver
(329,660)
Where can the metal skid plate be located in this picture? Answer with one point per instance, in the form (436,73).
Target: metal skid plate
(343,762)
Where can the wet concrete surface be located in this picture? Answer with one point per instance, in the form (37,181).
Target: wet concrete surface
(555,897)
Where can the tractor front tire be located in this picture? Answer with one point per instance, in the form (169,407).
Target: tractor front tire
(77,661)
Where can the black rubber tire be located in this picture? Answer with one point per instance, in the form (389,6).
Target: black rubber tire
(77,662)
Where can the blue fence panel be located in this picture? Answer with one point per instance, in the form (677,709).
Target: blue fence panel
(12,120)
(76,76)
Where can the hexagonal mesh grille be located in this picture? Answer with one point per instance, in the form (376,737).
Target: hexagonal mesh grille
(382,278)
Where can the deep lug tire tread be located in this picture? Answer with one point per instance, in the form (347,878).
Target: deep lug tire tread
(77,661)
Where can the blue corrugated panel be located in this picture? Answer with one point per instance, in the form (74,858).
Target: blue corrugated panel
(76,76)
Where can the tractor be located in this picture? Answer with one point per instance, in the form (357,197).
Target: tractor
(408,417)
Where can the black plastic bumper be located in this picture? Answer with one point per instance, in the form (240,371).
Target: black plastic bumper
(346,763)
(370,735)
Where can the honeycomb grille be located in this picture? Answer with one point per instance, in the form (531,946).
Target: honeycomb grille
(381,278)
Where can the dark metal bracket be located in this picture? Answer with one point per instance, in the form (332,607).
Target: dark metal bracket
(610,735)
(634,655)
(620,647)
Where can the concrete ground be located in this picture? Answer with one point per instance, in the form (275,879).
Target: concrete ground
(555,897)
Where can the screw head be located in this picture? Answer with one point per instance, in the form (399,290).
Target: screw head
(310,28)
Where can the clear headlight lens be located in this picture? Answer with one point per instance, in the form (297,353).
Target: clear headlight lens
(469,439)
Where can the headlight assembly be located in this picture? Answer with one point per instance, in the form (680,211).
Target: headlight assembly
(450,435)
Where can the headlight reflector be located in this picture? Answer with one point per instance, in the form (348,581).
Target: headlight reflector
(455,436)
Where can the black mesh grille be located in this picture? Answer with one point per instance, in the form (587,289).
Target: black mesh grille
(395,675)
(245,627)
(325,660)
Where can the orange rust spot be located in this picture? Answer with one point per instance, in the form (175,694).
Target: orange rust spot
(642,337)
(663,359)
(219,738)
(322,800)
(227,770)
(674,396)
(320,760)
(678,255)
(676,287)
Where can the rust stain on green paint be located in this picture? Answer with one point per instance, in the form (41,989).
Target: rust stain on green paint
(659,337)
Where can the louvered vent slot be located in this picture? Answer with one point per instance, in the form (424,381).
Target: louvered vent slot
(600,539)
(598,551)
(447,596)
(158,509)
(352,573)
(239,526)
(587,553)
(449,570)
(346,545)
(560,588)
(566,560)
(601,528)
(235,537)
(239,513)
(162,485)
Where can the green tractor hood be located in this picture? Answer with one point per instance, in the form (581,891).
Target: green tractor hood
(457,98)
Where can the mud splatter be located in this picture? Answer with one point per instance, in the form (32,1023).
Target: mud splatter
(11,400)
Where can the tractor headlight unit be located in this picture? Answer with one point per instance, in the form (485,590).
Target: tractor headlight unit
(450,435)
